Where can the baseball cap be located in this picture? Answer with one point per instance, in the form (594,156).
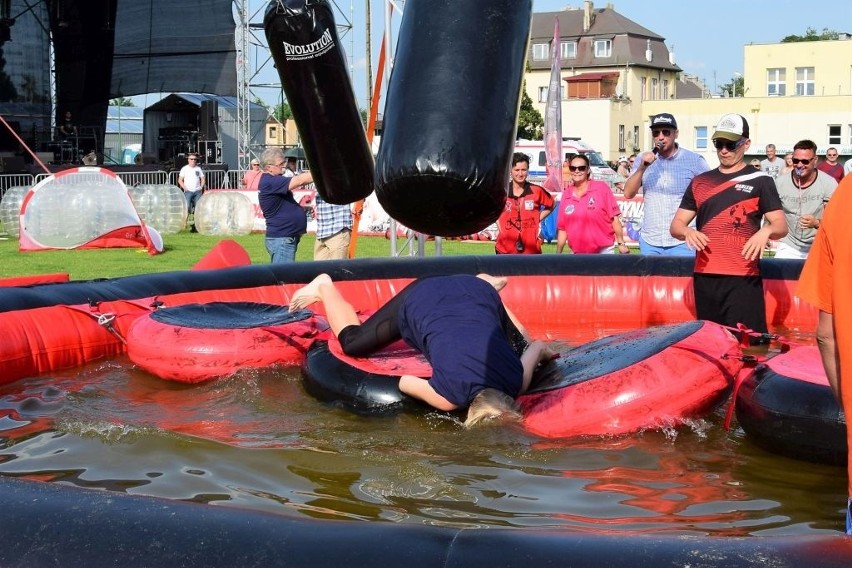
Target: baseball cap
(663,119)
(731,127)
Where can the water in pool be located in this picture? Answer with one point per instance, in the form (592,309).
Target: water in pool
(258,441)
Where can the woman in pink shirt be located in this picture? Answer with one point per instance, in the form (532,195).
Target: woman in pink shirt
(252,175)
(589,219)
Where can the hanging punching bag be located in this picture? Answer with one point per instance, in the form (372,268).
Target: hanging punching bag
(450,118)
(311,64)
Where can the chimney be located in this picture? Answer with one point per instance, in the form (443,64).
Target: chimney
(649,55)
(588,15)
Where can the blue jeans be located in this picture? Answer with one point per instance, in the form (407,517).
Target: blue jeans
(282,249)
(192,198)
(677,250)
(849,516)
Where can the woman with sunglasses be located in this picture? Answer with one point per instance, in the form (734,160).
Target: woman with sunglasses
(252,176)
(728,204)
(589,218)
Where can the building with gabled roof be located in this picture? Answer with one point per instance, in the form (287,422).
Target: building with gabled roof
(610,65)
(618,73)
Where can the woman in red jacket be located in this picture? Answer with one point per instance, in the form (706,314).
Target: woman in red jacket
(526,207)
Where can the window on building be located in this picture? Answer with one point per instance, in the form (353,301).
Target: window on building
(542,94)
(568,50)
(636,137)
(541,51)
(805,81)
(273,132)
(603,48)
(776,82)
(665,89)
(700,137)
(834,135)
(644,88)
(621,145)
(655,89)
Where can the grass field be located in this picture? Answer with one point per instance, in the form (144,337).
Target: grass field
(183,250)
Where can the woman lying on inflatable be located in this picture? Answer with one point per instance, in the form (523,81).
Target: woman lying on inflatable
(480,354)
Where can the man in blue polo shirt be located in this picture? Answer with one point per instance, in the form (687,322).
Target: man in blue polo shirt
(663,174)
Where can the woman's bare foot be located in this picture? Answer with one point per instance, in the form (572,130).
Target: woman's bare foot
(309,293)
(498,282)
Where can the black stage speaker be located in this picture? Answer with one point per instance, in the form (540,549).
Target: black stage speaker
(208,121)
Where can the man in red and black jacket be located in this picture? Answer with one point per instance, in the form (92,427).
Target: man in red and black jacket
(729,203)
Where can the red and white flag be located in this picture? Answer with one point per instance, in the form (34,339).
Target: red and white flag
(553,118)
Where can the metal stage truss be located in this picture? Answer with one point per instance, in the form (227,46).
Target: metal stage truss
(254,62)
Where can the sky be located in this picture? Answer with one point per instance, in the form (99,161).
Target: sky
(707,37)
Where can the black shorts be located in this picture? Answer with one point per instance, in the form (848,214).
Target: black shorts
(729,300)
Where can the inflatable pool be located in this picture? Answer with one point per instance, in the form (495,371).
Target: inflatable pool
(53,329)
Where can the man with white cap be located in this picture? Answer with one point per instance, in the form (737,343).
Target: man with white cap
(729,203)
(662,174)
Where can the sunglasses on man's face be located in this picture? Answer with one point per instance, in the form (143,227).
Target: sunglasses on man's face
(665,132)
(577,168)
(803,161)
(727,144)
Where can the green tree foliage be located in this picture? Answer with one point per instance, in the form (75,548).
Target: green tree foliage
(734,88)
(282,112)
(812,35)
(122,102)
(530,122)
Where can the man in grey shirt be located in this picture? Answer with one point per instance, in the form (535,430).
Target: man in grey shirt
(772,165)
(804,193)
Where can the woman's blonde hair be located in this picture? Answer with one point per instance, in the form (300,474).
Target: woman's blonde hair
(492,404)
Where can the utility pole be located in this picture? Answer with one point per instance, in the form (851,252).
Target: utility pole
(369,56)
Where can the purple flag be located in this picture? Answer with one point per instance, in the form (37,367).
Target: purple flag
(553,118)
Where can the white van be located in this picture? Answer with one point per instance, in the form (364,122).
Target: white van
(538,161)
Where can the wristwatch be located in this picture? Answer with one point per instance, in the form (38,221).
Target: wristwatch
(620,244)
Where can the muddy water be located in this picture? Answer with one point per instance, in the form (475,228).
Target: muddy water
(258,441)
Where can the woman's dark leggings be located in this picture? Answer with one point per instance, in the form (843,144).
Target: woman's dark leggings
(378,331)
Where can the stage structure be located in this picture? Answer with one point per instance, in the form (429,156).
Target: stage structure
(207,124)
(103,49)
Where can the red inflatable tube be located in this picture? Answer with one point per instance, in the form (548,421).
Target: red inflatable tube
(181,347)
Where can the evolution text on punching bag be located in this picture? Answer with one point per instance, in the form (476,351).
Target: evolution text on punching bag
(310,61)
(450,118)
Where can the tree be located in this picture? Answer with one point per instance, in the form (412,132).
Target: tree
(282,112)
(735,87)
(530,122)
(812,35)
(122,102)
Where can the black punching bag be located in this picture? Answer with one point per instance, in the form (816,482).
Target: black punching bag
(310,61)
(450,119)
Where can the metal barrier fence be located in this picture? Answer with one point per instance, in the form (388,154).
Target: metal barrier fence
(235,179)
(14,180)
(216,179)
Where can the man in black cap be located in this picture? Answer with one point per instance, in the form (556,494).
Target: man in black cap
(662,174)
(738,210)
